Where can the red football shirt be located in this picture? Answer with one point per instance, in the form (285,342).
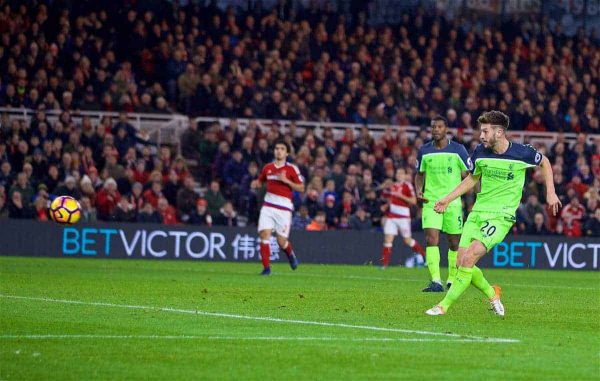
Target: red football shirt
(399,208)
(279,194)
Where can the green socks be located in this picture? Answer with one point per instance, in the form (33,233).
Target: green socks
(481,283)
(452,265)
(432,255)
(461,283)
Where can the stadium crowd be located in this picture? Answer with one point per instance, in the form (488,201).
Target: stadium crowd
(281,63)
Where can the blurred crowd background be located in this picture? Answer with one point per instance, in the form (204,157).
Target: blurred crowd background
(282,62)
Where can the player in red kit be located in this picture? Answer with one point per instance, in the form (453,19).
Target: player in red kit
(401,195)
(282,178)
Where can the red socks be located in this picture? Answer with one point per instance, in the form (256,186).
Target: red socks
(387,251)
(417,248)
(288,249)
(265,254)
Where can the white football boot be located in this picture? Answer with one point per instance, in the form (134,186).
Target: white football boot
(495,302)
(435,311)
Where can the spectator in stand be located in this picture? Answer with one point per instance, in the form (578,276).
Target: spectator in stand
(359,220)
(123,212)
(248,202)
(4,211)
(577,186)
(215,198)
(233,173)
(538,227)
(301,219)
(69,188)
(40,206)
(318,223)
(344,223)
(227,216)
(530,209)
(167,213)
(536,124)
(171,188)
(154,193)
(331,210)
(200,214)
(88,212)
(149,215)
(24,188)
(591,228)
(107,199)
(17,208)
(186,199)
(572,216)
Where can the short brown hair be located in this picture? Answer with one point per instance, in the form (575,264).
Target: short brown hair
(496,118)
(283,143)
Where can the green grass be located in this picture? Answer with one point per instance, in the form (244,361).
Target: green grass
(554,315)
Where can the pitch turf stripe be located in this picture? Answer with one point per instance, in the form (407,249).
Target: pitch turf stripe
(360,277)
(233,338)
(260,318)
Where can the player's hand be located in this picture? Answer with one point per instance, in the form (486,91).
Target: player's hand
(254,184)
(283,178)
(422,199)
(441,206)
(386,184)
(554,203)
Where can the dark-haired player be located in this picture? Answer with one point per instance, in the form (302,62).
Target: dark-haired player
(499,166)
(440,165)
(282,178)
(400,196)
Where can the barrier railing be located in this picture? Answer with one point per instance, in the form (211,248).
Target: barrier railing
(161,128)
(167,128)
(377,130)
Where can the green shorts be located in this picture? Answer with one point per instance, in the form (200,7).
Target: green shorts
(450,222)
(488,228)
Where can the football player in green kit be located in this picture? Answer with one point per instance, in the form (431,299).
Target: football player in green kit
(499,166)
(440,165)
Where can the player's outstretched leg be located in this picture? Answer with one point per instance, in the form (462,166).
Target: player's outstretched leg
(265,256)
(286,246)
(461,283)
(466,261)
(491,292)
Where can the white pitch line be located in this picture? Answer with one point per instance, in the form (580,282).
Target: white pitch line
(263,318)
(228,338)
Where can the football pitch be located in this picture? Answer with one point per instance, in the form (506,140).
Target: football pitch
(133,319)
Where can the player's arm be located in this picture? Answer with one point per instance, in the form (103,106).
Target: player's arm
(262,178)
(420,176)
(548,176)
(256,184)
(297,186)
(411,200)
(419,182)
(466,185)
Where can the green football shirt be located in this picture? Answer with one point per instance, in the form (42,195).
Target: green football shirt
(442,168)
(502,177)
